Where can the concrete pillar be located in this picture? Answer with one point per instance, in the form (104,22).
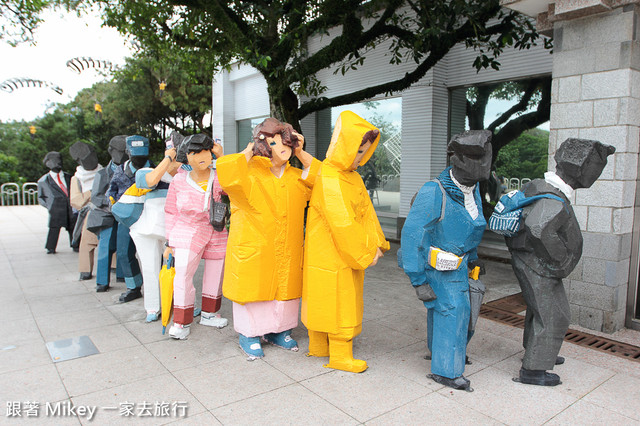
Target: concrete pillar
(224,122)
(596,95)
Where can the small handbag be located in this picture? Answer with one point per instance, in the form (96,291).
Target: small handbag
(218,213)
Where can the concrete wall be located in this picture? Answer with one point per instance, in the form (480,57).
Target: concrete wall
(596,95)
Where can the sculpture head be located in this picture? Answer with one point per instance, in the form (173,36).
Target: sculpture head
(471,156)
(579,162)
(118,149)
(84,154)
(138,150)
(53,161)
(195,150)
(353,142)
(367,140)
(275,140)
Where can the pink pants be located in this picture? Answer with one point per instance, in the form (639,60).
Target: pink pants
(260,318)
(184,293)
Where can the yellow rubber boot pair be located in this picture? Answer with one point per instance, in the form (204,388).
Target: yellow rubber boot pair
(341,357)
(318,344)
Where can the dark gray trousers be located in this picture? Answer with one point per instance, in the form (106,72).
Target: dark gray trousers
(547,318)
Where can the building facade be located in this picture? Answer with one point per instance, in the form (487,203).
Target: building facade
(594,96)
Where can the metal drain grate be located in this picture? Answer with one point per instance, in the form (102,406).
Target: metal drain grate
(506,310)
(514,303)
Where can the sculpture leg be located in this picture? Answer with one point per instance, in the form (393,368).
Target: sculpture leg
(318,344)
(127,258)
(548,317)
(430,329)
(88,243)
(106,248)
(52,239)
(341,351)
(150,250)
(184,293)
(451,312)
(212,293)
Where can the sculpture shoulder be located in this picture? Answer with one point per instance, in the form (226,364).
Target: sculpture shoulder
(428,202)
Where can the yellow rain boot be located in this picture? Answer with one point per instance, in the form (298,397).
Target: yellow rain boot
(341,357)
(318,344)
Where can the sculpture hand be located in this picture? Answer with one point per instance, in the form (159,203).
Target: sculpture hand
(217,149)
(171,153)
(479,263)
(248,151)
(378,255)
(425,293)
(168,251)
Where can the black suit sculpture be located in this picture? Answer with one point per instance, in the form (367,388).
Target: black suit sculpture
(53,194)
(546,249)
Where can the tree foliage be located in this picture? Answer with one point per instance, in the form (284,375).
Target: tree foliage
(525,157)
(131,104)
(533,108)
(273,36)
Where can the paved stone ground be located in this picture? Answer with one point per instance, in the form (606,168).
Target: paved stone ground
(42,301)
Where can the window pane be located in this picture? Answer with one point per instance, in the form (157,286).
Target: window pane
(381,173)
(245,129)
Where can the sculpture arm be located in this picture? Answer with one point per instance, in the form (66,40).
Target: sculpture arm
(170,210)
(148,178)
(415,239)
(373,227)
(77,198)
(233,175)
(310,172)
(543,224)
(356,247)
(43,196)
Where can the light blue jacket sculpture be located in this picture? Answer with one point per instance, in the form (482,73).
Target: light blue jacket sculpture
(453,231)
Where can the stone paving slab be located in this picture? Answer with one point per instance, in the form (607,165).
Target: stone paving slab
(141,376)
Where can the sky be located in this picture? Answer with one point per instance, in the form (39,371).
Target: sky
(62,36)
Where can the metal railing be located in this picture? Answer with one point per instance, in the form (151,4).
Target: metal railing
(515,183)
(12,195)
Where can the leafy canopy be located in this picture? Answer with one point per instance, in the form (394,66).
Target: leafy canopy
(274,37)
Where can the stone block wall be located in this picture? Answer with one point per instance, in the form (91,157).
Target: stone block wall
(596,95)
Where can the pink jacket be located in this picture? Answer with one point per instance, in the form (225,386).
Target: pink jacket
(187,216)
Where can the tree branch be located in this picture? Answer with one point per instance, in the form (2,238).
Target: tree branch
(515,127)
(346,43)
(436,53)
(529,91)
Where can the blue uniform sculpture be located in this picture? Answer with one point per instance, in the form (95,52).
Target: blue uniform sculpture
(123,178)
(439,241)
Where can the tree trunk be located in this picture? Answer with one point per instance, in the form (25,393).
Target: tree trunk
(284,105)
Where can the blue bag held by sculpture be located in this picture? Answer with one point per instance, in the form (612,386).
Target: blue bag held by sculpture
(506,216)
(128,208)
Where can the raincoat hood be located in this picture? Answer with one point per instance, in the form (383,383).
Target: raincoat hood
(346,139)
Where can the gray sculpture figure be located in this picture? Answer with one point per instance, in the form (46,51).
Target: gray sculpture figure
(53,194)
(80,197)
(546,250)
(100,220)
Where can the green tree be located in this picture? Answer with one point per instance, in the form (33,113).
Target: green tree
(19,18)
(525,157)
(533,107)
(273,36)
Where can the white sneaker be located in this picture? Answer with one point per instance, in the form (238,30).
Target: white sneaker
(213,320)
(179,331)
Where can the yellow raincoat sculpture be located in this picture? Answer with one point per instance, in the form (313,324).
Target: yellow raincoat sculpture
(343,238)
(263,265)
